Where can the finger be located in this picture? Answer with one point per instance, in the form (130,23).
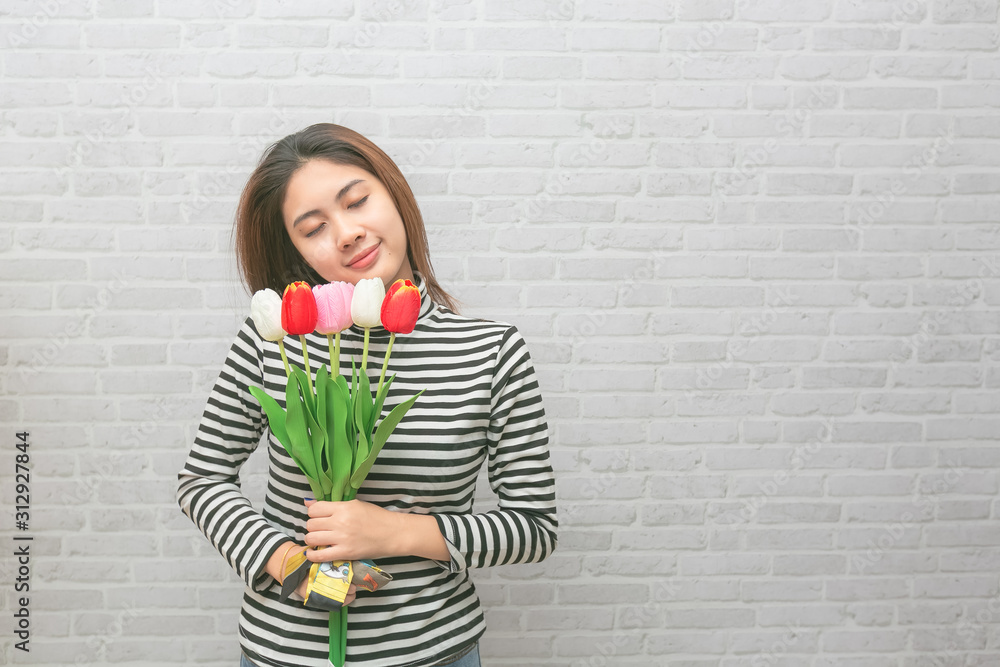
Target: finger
(320,538)
(320,523)
(353,589)
(326,554)
(320,508)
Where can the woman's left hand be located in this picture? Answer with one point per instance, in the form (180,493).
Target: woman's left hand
(350,530)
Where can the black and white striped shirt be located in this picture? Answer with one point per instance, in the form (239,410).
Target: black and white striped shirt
(482,403)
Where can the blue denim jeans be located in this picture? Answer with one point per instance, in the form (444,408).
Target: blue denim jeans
(470,659)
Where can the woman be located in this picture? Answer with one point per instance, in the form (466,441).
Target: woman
(326,204)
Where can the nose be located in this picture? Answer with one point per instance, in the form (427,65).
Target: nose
(349,234)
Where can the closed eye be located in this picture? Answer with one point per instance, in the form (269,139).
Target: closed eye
(323,224)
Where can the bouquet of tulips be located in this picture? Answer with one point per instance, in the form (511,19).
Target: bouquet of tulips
(328,428)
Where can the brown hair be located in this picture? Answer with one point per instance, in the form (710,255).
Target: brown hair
(267,257)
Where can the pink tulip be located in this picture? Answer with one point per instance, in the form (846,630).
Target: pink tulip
(333,303)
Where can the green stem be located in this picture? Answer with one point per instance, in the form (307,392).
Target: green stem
(329,343)
(336,351)
(385,364)
(281,346)
(305,359)
(343,633)
(364,354)
(336,638)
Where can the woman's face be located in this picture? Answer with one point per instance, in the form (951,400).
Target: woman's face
(344,223)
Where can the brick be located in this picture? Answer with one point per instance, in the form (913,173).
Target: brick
(611,38)
(858,641)
(856,38)
(779,10)
(677,642)
(954,38)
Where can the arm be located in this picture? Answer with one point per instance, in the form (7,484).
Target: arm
(208,490)
(281,554)
(353,529)
(420,536)
(523,529)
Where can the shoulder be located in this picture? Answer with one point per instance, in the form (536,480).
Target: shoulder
(446,322)
(248,342)
(500,339)
(248,333)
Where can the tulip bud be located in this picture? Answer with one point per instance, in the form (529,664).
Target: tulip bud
(265,310)
(366,303)
(298,309)
(333,306)
(400,307)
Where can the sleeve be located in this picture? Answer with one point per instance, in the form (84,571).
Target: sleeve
(208,489)
(523,529)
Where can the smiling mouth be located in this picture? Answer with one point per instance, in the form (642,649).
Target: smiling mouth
(365,255)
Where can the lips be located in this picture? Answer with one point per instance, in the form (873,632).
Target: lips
(364,256)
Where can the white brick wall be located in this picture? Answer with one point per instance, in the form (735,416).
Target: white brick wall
(754,246)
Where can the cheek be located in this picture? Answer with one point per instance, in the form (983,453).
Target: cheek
(398,233)
(390,228)
(320,257)
(322,254)
(307,251)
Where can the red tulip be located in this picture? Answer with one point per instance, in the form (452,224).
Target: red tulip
(400,307)
(298,309)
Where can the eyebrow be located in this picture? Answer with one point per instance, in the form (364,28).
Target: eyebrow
(340,195)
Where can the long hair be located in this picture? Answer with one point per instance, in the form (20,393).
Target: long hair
(267,257)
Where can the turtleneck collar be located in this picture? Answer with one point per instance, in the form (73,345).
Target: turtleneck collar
(426,307)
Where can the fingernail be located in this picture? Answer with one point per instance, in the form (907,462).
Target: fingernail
(307,498)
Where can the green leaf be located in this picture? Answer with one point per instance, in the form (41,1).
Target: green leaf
(365,398)
(275,415)
(326,485)
(354,379)
(381,435)
(338,446)
(322,387)
(342,383)
(317,440)
(349,428)
(310,399)
(295,423)
(362,418)
(361,429)
(322,384)
(353,426)
(298,436)
(380,399)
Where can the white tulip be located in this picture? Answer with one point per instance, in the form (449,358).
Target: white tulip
(366,304)
(265,309)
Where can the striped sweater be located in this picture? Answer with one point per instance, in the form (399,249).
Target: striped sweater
(482,403)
